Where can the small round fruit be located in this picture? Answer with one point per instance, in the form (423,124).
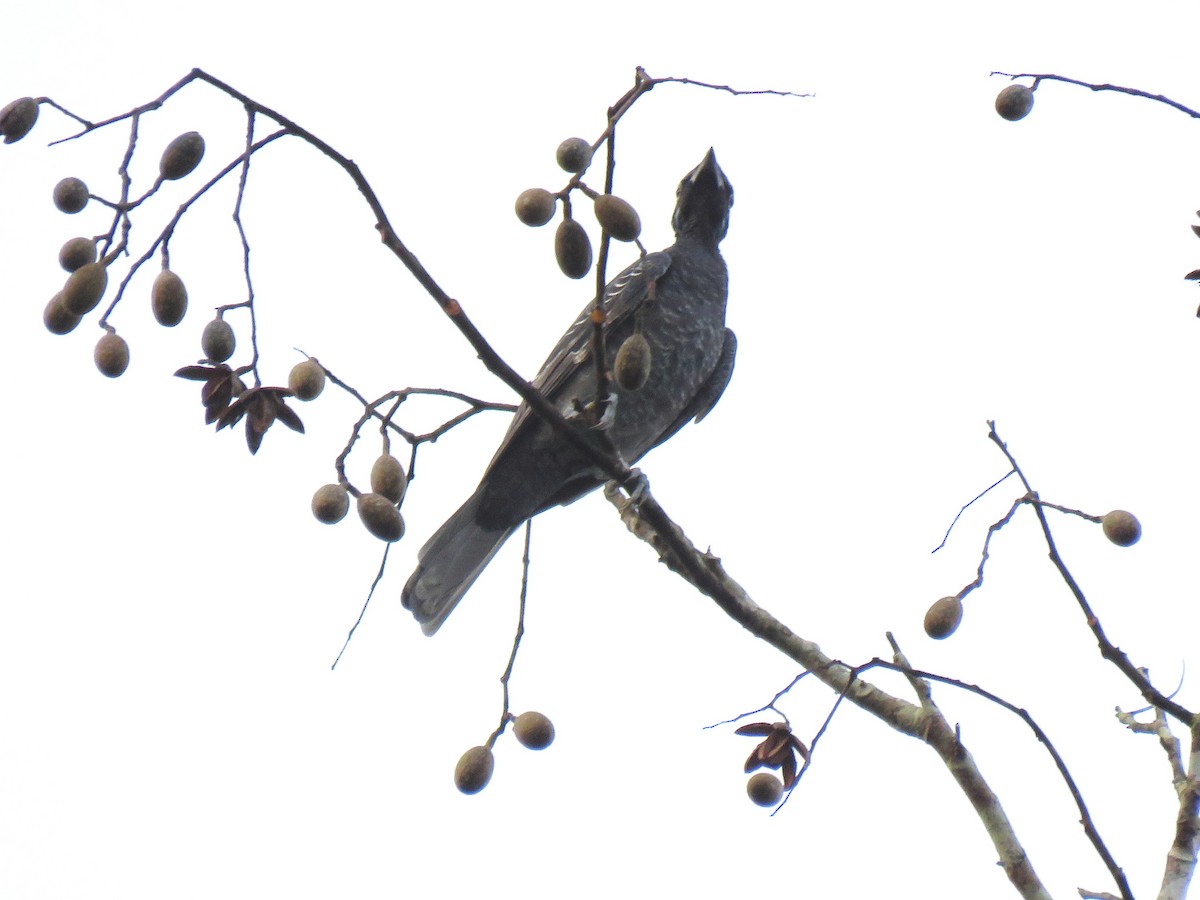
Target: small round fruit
(572,249)
(70,195)
(181,156)
(388,479)
(168,298)
(535,207)
(943,617)
(84,288)
(17,118)
(1122,528)
(474,770)
(307,379)
(111,355)
(574,155)
(217,342)
(632,365)
(764,789)
(617,217)
(77,253)
(330,503)
(534,730)
(381,517)
(1014,102)
(57,318)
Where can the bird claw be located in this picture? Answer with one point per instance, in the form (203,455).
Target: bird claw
(641,485)
(610,414)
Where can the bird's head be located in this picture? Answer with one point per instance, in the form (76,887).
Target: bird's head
(705,197)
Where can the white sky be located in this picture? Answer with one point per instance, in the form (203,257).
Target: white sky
(904,266)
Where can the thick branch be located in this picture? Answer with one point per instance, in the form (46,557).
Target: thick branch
(646,519)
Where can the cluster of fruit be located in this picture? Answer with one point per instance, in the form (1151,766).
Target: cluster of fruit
(87,277)
(474,769)
(573,249)
(379,510)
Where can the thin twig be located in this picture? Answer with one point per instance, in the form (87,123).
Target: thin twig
(362,612)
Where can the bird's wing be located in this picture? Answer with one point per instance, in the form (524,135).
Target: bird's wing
(622,297)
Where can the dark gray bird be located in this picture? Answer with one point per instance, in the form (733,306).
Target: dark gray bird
(682,318)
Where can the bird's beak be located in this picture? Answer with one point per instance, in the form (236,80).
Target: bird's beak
(708,170)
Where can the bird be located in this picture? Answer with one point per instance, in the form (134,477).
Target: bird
(676,298)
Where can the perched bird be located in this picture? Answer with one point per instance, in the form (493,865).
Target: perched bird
(676,298)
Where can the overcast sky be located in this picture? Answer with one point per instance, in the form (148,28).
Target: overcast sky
(904,266)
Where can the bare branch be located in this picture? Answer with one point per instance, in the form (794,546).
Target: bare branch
(1107,649)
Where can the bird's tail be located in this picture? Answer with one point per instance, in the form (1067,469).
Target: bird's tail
(448,565)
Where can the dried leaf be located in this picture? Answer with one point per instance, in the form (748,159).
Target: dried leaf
(195,373)
(789,772)
(288,417)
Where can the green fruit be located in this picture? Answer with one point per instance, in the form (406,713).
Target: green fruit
(764,789)
(181,156)
(57,318)
(943,617)
(535,207)
(168,298)
(330,503)
(70,195)
(474,770)
(217,341)
(617,217)
(307,380)
(574,155)
(1014,102)
(572,249)
(84,288)
(632,365)
(381,517)
(388,479)
(1122,528)
(17,118)
(534,730)
(111,355)
(77,253)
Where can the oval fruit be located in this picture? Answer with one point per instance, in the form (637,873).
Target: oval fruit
(330,503)
(388,479)
(181,156)
(764,789)
(534,730)
(381,517)
(572,249)
(70,195)
(632,365)
(168,298)
(474,770)
(84,288)
(17,118)
(217,341)
(77,253)
(1121,527)
(57,318)
(535,207)
(617,217)
(1014,102)
(111,355)
(574,155)
(307,379)
(943,617)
